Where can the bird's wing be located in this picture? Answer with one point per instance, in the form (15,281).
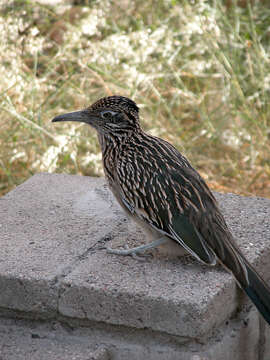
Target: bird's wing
(169,200)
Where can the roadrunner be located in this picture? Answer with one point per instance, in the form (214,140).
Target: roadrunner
(160,190)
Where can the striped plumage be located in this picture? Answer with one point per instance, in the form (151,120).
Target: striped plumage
(158,187)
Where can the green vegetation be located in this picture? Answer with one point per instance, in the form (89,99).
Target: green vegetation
(200,71)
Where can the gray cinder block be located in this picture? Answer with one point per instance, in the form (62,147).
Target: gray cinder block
(53,231)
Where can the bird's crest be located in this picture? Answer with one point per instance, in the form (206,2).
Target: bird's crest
(117,102)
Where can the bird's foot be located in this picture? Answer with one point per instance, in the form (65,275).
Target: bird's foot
(138,249)
(127,251)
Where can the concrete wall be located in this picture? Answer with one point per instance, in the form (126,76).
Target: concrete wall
(54,268)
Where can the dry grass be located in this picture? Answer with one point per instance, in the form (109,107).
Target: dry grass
(200,72)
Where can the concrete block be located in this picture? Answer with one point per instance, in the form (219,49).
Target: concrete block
(53,230)
(49,340)
(43,237)
(22,340)
(183,300)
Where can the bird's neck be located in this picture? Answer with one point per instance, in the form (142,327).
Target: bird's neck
(111,147)
(110,141)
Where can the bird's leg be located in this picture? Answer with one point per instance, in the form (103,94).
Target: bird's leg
(138,249)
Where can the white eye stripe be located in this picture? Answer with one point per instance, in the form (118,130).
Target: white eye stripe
(114,125)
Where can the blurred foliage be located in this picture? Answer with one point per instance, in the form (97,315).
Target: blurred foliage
(199,70)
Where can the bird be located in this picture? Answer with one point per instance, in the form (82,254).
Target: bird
(158,188)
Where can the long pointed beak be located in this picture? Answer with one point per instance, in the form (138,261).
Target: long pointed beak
(80,116)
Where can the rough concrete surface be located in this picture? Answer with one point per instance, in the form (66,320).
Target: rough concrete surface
(53,230)
(21,339)
(43,237)
(50,340)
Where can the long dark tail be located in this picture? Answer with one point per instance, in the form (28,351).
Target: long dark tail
(258,291)
(232,258)
(248,278)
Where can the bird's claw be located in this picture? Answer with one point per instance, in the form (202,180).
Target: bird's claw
(127,251)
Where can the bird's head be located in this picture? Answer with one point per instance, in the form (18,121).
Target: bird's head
(115,115)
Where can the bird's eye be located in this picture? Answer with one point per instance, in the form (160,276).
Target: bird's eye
(107,114)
